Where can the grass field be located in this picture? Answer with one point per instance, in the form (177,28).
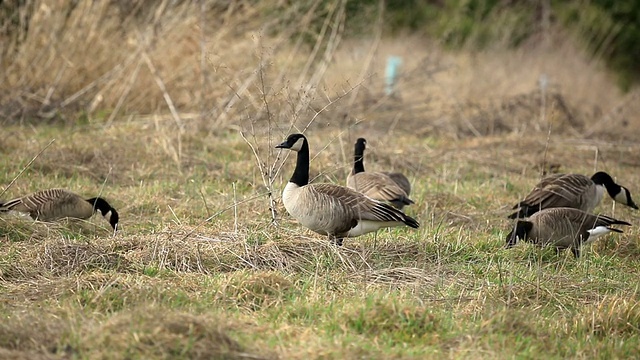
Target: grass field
(199,268)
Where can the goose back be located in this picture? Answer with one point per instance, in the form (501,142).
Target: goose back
(51,205)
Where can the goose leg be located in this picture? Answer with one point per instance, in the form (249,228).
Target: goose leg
(335,240)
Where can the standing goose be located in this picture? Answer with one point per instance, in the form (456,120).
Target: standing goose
(562,228)
(55,204)
(377,185)
(574,191)
(330,209)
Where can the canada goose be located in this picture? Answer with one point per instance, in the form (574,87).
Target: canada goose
(330,209)
(563,228)
(377,185)
(55,204)
(572,190)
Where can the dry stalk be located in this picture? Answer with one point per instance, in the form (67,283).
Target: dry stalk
(26,167)
(331,46)
(543,168)
(102,79)
(167,99)
(203,60)
(316,48)
(268,176)
(366,66)
(236,203)
(52,88)
(125,93)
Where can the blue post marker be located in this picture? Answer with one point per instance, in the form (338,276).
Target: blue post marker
(391,74)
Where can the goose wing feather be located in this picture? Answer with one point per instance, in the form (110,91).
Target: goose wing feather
(590,221)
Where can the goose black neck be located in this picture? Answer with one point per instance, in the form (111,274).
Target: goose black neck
(358,159)
(101,204)
(602,178)
(300,175)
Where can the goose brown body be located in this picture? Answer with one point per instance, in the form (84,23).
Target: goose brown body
(573,191)
(334,210)
(56,204)
(378,185)
(562,228)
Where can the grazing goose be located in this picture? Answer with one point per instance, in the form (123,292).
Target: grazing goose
(55,204)
(377,185)
(574,191)
(563,228)
(330,209)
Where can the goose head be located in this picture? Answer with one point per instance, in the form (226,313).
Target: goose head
(519,232)
(294,142)
(109,213)
(618,193)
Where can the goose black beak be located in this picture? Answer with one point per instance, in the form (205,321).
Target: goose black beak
(633,205)
(283,145)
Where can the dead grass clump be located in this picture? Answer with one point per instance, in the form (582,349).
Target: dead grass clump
(509,322)
(386,318)
(390,253)
(305,255)
(161,334)
(25,292)
(7,354)
(518,113)
(398,277)
(20,228)
(527,294)
(628,248)
(33,331)
(612,316)
(257,291)
(173,250)
(61,258)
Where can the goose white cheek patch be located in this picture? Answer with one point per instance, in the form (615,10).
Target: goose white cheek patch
(298,145)
(622,196)
(108,215)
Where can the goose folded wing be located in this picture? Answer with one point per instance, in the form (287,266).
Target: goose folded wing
(359,205)
(557,192)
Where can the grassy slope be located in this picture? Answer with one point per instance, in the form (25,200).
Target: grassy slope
(169,286)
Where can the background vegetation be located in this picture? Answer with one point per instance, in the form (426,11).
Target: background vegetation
(171,110)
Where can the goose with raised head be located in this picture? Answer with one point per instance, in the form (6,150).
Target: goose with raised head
(333,210)
(377,185)
(573,191)
(56,204)
(562,228)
